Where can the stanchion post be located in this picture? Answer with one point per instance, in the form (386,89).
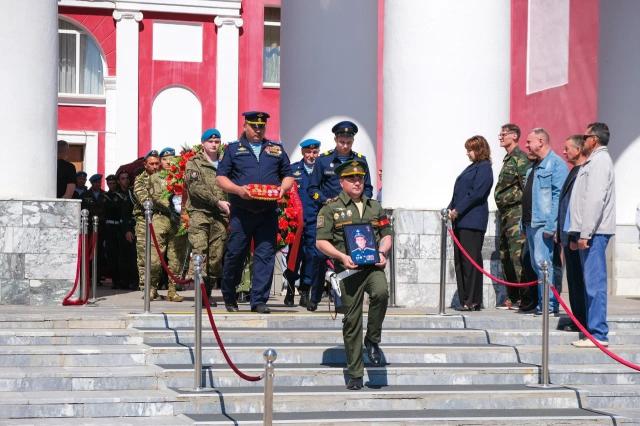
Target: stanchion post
(544,380)
(94,261)
(148,205)
(197,365)
(444,217)
(84,224)
(392,264)
(270,356)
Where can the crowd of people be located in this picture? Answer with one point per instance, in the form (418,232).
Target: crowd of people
(546,214)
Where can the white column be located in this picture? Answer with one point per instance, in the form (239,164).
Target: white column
(123,148)
(227,75)
(112,158)
(446,78)
(328,73)
(28,104)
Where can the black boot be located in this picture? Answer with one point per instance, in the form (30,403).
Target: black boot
(304,298)
(288,299)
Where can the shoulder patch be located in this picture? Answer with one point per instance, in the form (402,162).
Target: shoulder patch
(194,175)
(320,223)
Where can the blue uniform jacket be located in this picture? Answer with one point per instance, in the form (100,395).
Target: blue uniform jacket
(240,165)
(324,182)
(303,179)
(470,194)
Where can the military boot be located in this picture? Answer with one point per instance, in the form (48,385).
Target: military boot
(172,296)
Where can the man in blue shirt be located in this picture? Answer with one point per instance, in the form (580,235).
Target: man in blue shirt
(253,159)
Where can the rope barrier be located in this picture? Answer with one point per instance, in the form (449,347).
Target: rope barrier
(590,337)
(67,301)
(162,261)
(235,369)
(479,268)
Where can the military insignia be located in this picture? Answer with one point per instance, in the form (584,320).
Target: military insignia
(242,148)
(194,175)
(342,215)
(274,150)
(297,173)
(349,213)
(320,223)
(336,216)
(331,165)
(316,196)
(359,155)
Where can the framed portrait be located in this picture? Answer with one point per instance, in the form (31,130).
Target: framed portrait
(361,245)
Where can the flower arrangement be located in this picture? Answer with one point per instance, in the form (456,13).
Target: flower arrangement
(289,218)
(174,188)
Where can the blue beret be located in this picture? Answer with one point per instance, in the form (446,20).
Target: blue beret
(95,178)
(347,127)
(167,152)
(255,117)
(310,143)
(210,133)
(81,173)
(152,153)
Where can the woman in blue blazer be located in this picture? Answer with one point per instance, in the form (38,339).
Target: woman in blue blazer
(469,214)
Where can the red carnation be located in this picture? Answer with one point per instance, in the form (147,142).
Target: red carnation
(174,168)
(279,239)
(293,223)
(290,238)
(290,212)
(283,224)
(170,188)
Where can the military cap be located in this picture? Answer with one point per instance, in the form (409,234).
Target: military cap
(152,153)
(167,152)
(358,233)
(110,177)
(95,178)
(81,174)
(255,117)
(346,127)
(351,168)
(310,143)
(210,133)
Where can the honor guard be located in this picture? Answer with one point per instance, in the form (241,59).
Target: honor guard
(352,206)
(253,159)
(308,260)
(207,207)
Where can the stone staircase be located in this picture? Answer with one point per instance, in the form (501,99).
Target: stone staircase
(114,368)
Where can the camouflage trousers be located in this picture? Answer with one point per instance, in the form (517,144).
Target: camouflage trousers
(173,245)
(140,242)
(511,247)
(207,236)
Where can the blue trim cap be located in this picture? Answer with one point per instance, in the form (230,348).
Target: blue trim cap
(310,143)
(345,127)
(167,152)
(95,178)
(255,117)
(210,133)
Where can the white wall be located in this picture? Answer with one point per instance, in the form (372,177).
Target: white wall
(446,78)
(28,98)
(176,119)
(328,72)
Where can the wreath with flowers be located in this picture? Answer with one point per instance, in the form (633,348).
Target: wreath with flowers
(290,220)
(174,183)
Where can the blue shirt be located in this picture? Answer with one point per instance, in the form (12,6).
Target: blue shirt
(241,166)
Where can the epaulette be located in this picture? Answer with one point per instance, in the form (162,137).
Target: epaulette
(357,154)
(329,152)
(330,200)
(274,142)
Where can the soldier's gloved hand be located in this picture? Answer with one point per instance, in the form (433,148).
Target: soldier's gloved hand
(347,262)
(224,207)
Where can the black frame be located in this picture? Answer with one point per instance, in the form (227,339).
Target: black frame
(371,255)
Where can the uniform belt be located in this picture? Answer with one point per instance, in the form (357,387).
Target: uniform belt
(112,222)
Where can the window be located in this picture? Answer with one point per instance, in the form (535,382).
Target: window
(271,50)
(80,70)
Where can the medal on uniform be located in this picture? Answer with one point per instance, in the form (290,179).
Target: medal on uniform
(336,216)
(349,213)
(342,215)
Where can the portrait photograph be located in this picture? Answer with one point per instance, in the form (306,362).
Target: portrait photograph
(361,244)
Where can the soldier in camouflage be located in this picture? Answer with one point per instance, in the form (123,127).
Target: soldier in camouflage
(166,223)
(207,207)
(140,195)
(508,196)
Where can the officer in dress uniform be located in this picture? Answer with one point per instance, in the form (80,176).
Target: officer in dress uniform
(253,159)
(325,184)
(307,261)
(351,206)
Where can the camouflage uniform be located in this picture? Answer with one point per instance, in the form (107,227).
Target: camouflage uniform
(207,224)
(166,223)
(508,195)
(141,194)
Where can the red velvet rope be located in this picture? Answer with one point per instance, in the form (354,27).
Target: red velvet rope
(67,301)
(479,268)
(235,369)
(589,336)
(163,263)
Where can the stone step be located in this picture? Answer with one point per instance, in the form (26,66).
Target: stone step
(124,403)
(69,336)
(64,355)
(567,354)
(220,375)
(306,399)
(530,417)
(611,397)
(178,420)
(593,374)
(323,353)
(557,337)
(64,323)
(108,377)
(512,320)
(329,336)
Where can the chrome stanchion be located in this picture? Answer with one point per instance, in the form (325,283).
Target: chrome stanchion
(197,365)
(444,218)
(270,356)
(392,265)
(84,223)
(94,262)
(148,213)
(544,380)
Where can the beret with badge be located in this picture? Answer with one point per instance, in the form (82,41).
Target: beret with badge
(167,152)
(310,143)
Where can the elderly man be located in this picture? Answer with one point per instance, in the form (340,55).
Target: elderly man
(252,160)
(593,223)
(540,206)
(351,206)
(508,196)
(575,156)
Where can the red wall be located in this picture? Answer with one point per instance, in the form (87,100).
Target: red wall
(564,110)
(155,76)
(252,95)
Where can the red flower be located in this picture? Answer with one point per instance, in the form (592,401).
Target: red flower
(170,188)
(174,168)
(283,224)
(293,224)
(290,212)
(290,238)
(279,239)
(179,175)
(177,189)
